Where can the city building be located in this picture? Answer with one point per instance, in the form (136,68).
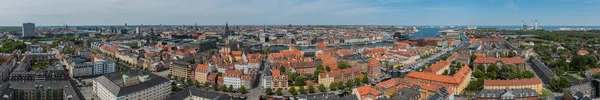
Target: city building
(41,90)
(458,82)
(131,85)
(439,67)
(198,94)
(367,92)
(534,84)
(266,79)
(182,69)
(336,76)
(232,78)
(578,91)
(542,71)
(279,80)
(374,68)
(79,66)
(507,94)
(202,71)
(28,30)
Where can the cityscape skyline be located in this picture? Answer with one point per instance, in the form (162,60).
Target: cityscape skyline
(298,12)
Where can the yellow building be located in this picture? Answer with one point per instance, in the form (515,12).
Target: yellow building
(201,73)
(534,83)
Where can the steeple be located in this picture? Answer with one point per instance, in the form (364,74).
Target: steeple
(226,27)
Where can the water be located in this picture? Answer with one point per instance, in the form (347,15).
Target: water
(519,27)
(425,33)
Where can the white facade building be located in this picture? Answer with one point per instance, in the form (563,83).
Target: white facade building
(132,85)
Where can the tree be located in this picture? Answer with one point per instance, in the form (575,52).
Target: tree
(205,84)
(282,69)
(512,54)
(473,57)
(357,81)
(189,80)
(223,88)
(545,94)
(293,91)
(322,88)
(445,72)
(176,78)
(196,83)
(509,72)
(243,90)
(301,90)
(365,80)
(320,67)
(328,69)
(215,87)
(527,74)
(349,83)
(492,75)
(332,86)
(479,74)
(597,75)
(268,91)
(230,89)
(169,76)
(311,89)
(476,85)
(278,92)
(299,81)
(559,83)
(481,67)
(340,85)
(493,68)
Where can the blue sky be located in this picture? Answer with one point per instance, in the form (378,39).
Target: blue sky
(313,12)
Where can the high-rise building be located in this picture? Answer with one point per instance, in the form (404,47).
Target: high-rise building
(28,29)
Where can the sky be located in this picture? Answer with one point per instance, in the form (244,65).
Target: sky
(300,12)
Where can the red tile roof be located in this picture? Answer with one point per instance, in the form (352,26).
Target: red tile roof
(367,91)
(442,64)
(485,60)
(512,82)
(388,83)
(456,79)
(512,60)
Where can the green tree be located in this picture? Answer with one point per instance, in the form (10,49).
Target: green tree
(169,75)
(479,74)
(481,67)
(320,67)
(299,81)
(311,89)
(332,86)
(230,88)
(527,74)
(445,72)
(512,54)
(492,75)
(365,80)
(559,83)
(293,91)
(205,84)
(243,90)
(493,68)
(224,88)
(476,85)
(322,88)
(196,83)
(340,85)
(215,87)
(268,91)
(357,81)
(509,72)
(473,57)
(349,83)
(328,69)
(282,69)
(301,90)
(278,92)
